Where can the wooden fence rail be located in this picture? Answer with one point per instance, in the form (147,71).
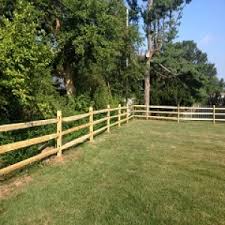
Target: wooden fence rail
(90,124)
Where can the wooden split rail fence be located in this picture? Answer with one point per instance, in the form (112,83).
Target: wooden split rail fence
(179,113)
(120,114)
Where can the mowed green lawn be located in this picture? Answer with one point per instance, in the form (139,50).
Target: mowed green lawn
(146,172)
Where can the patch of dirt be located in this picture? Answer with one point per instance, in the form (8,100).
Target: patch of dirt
(14,185)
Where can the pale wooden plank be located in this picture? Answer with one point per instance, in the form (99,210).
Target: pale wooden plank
(76,141)
(73,129)
(26,143)
(100,130)
(162,107)
(196,119)
(113,109)
(196,113)
(100,111)
(76,117)
(26,162)
(100,121)
(114,124)
(18,126)
(111,117)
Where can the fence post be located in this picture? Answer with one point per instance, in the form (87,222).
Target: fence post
(91,128)
(214,114)
(108,119)
(147,111)
(59,133)
(119,115)
(127,116)
(178,113)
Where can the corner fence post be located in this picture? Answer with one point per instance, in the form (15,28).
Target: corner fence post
(214,114)
(119,115)
(127,115)
(91,128)
(59,133)
(108,119)
(178,114)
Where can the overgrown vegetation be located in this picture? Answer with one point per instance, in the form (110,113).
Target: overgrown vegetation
(130,177)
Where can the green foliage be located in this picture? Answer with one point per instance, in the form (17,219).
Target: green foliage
(190,78)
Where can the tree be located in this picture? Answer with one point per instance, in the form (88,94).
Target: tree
(181,74)
(24,62)
(161,19)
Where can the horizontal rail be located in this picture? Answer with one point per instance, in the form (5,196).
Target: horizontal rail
(73,129)
(140,106)
(26,162)
(114,109)
(76,117)
(100,130)
(18,126)
(100,111)
(196,119)
(22,144)
(163,117)
(156,117)
(159,112)
(114,124)
(112,117)
(100,121)
(220,108)
(203,108)
(76,141)
(196,113)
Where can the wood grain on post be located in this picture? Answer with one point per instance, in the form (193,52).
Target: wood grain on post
(91,127)
(214,114)
(59,133)
(119,115)
(108,119)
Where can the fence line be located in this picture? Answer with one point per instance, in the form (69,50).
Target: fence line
(179,113)
(123,114)
(120,114)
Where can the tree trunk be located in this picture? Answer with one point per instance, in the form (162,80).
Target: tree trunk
(147,84)
(149,56)
(68,80)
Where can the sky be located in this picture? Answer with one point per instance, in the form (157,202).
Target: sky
(204,22)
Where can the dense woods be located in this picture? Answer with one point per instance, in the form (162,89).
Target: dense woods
(71,54)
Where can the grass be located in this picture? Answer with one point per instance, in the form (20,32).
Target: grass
(146,172)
